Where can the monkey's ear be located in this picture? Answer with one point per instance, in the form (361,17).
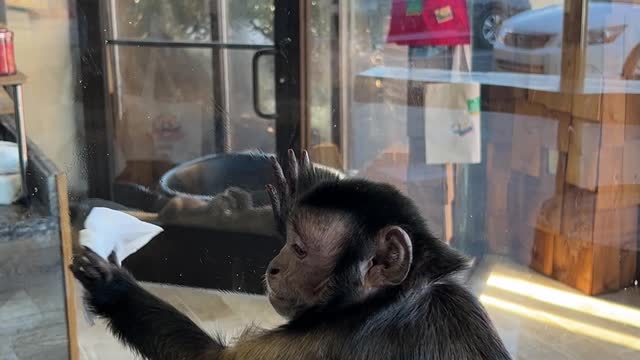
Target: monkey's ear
(392,260)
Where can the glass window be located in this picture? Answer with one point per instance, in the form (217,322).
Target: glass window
(512,125)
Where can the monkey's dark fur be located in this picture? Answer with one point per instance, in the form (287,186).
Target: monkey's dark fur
(361,277)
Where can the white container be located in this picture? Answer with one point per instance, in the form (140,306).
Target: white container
(10,186)
(9,158)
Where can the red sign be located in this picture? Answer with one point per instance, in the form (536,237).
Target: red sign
(436,22)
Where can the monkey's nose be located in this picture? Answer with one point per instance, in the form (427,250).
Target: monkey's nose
(273,271)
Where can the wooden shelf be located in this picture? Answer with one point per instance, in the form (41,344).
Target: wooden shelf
(10,80)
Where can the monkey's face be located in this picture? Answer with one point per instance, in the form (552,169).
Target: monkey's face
(302,274)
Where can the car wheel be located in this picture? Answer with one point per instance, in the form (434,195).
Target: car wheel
(487,25)
(631,70)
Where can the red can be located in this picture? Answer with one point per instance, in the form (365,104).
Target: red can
(4,65)
(7,54)
(11,57)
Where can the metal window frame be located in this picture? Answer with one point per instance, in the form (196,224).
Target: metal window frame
(290,37)
(96,71)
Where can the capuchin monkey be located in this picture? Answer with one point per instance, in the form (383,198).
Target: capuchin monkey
(360,277)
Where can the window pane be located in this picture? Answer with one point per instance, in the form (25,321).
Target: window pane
(512,125)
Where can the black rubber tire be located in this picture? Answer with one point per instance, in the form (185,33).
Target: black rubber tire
(480,41)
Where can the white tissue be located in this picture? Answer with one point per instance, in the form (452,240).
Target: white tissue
(106,231)
(9,158)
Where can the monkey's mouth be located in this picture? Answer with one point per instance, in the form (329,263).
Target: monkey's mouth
(284,306)
(277,299)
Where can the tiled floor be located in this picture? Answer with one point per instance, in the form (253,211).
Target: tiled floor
(537,317)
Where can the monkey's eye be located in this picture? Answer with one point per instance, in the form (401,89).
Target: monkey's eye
(299,251)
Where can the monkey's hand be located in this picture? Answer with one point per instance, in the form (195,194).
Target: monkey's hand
(107,285)
(155,329)
(287,184)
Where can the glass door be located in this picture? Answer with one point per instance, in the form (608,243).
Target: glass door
(513,126)
(179,84)
(198,94)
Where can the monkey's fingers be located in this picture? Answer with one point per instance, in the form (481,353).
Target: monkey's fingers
(275,200)
(292,172)
(282,188)
(276,207)
(305,165)
(85,271)
(95,265)
(113,259)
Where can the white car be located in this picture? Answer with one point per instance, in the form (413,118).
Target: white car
(531,41)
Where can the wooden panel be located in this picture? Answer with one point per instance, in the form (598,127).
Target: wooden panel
(67,256)
(551,100)
(555,167)
(629,239)
(587,107)
(610,165)
(577,214)
(448,223)
(606,251)
(606,269)
(632,106)
(615,238)
(16,79)
(610,177)
(501,93)
(498,175)
(628,266)
(327,154)
(555,131)
(564,129)
(542,252)
(534,195)
(552,127)
(450,186)
(573,263)
(542,203)
(631,172)
(631,165)
(525,107)
(549,216)
(613,119)
(582,163)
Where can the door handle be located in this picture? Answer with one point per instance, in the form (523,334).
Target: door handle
(256,82)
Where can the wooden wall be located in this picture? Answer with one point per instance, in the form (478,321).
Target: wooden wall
(563,188)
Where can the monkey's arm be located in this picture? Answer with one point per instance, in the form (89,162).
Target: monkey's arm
(149,325)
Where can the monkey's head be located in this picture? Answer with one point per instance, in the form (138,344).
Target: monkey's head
(347,241)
